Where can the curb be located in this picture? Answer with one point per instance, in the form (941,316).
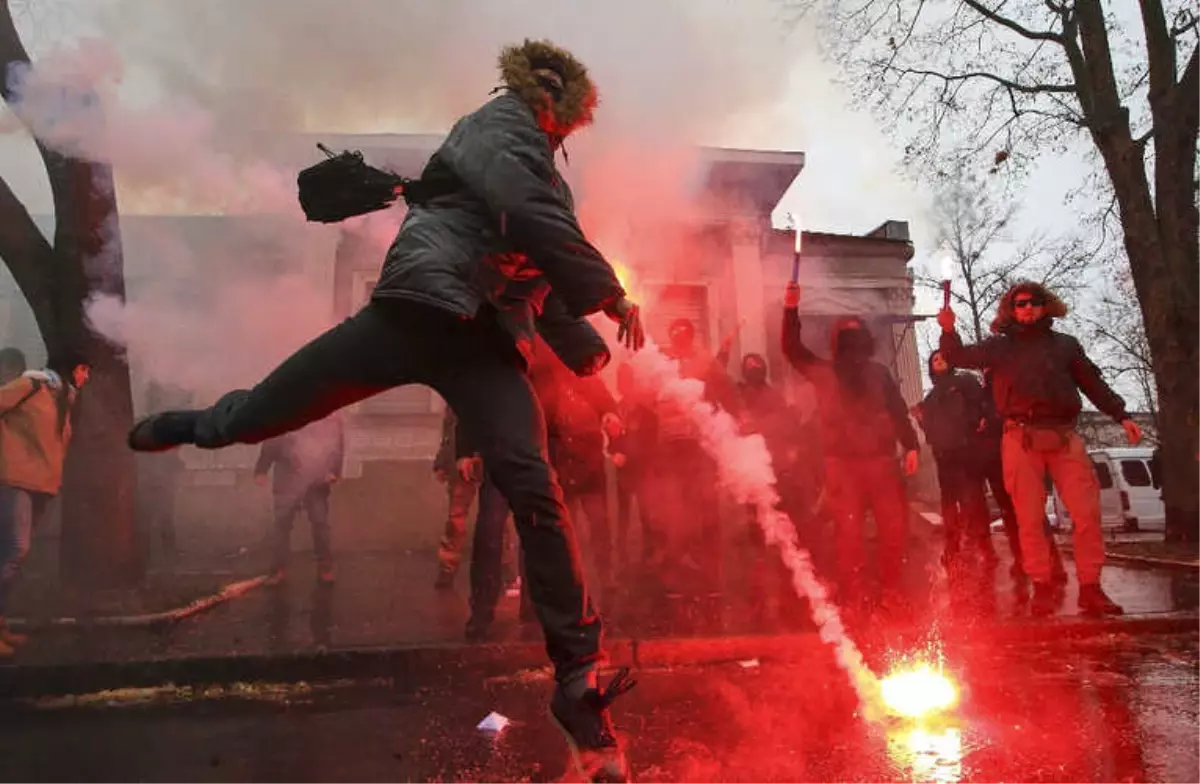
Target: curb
(431,665)
(1142,560)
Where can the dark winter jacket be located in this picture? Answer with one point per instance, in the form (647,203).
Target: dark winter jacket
(952,414)
(502,234)
(574,409)
(304,458)
(638,440)
(862,420)
(763,410)
(1036,374)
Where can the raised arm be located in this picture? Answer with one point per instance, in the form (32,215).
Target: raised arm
(975,355)
(799,355)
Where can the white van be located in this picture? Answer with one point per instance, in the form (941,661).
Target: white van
(1130,490)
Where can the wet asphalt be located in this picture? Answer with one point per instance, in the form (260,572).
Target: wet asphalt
(1112,708)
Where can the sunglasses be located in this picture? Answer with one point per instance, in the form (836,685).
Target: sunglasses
(1028,303)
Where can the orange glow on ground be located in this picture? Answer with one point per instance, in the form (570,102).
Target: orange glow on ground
(918,690)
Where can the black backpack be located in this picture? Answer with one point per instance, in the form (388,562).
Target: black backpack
(344,185)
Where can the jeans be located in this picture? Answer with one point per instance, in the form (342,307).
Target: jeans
(474,365)
(20,511)
(314,500)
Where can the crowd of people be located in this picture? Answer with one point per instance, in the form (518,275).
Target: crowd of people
(490,266)
(830,473)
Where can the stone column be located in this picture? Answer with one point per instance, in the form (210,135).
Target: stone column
(746,262)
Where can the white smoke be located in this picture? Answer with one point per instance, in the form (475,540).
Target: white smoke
(745,471)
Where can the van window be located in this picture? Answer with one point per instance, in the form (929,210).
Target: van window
(1103,474)
(1135,472)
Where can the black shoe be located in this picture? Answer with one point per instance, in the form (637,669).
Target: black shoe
(1094,601)
(478,630)
(161,432)
(1046,600)
(586,723)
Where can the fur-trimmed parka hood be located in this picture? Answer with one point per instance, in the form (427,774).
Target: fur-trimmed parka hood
(574,107)
(1006,318)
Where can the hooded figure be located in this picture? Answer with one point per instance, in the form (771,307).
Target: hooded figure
(954,416)
(490,255)
(35,432)
(862,417)
(1036,375)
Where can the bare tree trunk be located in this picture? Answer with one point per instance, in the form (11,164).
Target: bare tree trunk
(1165,273)
(99,546)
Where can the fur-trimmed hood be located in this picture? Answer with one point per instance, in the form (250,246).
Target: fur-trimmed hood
(1006,318)
(575,106)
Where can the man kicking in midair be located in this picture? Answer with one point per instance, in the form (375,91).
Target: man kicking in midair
(492,253)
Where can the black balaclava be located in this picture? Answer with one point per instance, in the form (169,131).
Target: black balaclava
(852,342)
(754,370)
(853,347)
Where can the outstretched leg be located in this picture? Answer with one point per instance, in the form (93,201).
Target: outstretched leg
(382,346)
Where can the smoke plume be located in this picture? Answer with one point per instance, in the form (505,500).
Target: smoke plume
(193,104)
(746,473)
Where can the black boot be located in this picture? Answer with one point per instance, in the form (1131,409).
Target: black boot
(1046,600)
(582,715)
(161,432)
(478,628)
(1095,602)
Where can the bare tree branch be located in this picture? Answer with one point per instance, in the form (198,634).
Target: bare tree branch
(1029,89)
(1020,30)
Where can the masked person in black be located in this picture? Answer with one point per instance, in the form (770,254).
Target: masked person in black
(490,255)
(954,418)
(764,411)
(863,417)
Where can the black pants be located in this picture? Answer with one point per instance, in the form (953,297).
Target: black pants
(593,502)
(474,365)
(964,506)
(314,500)
(636,485)
(487,552)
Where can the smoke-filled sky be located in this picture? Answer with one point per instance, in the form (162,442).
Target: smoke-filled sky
(197,95)
(687,71)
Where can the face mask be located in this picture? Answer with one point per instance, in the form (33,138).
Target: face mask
(854,344)
(755,375)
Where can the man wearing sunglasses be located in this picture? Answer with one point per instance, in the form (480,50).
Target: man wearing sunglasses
(1037,375)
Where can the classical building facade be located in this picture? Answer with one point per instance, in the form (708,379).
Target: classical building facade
(727,274)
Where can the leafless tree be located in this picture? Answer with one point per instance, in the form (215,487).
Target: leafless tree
(1117,340)
(1006,81)
(973,218)
(99,545)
